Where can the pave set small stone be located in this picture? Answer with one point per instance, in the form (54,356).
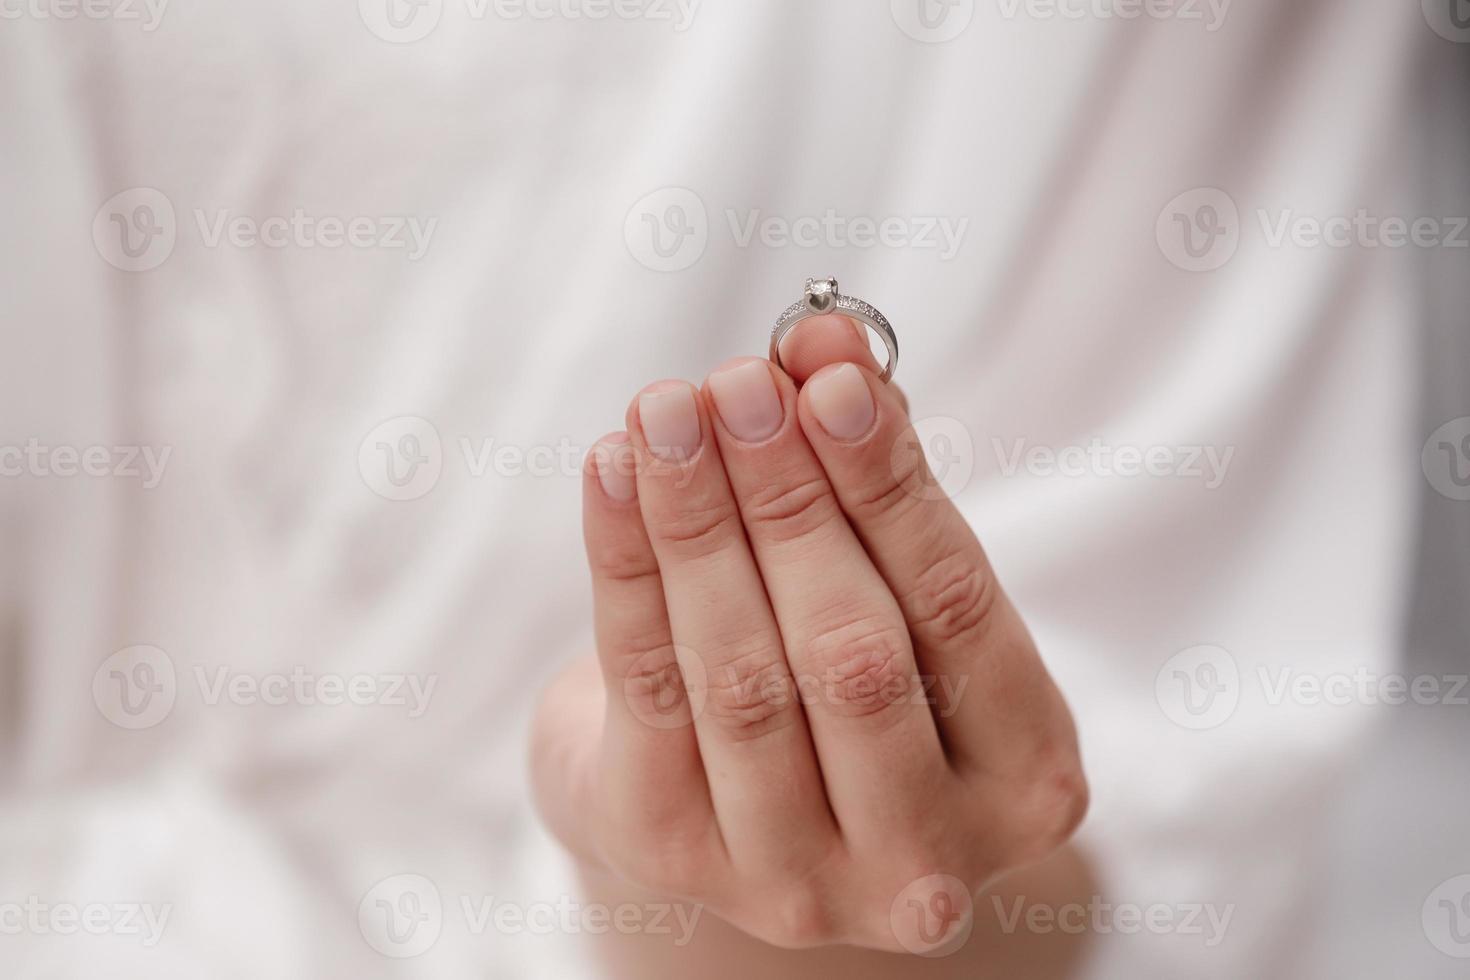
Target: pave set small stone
(858,306)
(799,308)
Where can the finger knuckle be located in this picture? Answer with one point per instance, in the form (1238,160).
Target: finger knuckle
(923,842)
(786,512)
(863,667)
(750,695)
(1068,799)
(652,681)
(954,599)
(621,562)
(666,862)
(796,917)
(694,531)
(888,495)
(881,502)
(1055,805)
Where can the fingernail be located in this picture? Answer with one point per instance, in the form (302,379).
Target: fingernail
(747,399)
(615,464)
(670,423)
(842,403)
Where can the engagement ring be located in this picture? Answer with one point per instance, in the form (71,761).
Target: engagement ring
(823,297)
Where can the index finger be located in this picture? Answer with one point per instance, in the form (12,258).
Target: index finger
(813,344)
(965,630)
(821,340)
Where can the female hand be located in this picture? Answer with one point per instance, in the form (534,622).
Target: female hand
(816,713)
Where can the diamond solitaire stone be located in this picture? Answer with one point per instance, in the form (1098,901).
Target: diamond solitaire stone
(821,295)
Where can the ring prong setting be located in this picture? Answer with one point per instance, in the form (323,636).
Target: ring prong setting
(821,295)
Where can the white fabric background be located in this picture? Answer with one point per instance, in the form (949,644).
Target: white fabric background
(530,321)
